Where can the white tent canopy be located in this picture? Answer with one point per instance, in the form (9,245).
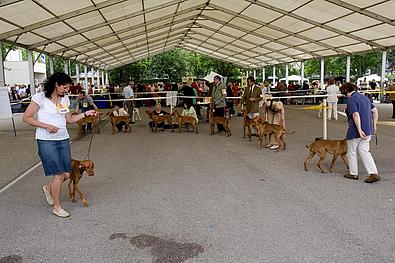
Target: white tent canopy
(369,78)
(295,78)
(249,33)
(210,76)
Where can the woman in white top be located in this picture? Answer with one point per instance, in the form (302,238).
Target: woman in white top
(52,109)
(332,91)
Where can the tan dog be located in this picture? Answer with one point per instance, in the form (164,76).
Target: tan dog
(156,119)
(248,123)
(118,119)
(213,120)
(265,129)
(321,147)
(183,120)
(89,119)
(77,169)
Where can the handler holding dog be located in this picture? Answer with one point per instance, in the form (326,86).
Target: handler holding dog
(251,98)
(218,98)
(362,118)
(52,109)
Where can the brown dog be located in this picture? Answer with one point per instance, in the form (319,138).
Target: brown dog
(265,129)
(183,120)
(213,120)
(321,147)
(118,119)
(248,123)
(77,169)
(89,119)
(156,119)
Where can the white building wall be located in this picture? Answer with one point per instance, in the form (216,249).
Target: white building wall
(16,72)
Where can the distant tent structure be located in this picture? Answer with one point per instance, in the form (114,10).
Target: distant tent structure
(210,76)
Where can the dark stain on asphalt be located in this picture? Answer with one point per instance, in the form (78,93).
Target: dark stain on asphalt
(11,259)
(164,250)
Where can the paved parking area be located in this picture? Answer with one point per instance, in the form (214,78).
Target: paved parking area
(186,197)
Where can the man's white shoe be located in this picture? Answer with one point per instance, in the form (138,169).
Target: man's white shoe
(274,147)
(48,195)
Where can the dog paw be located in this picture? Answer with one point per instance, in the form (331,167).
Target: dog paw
(73,200)
(86,204)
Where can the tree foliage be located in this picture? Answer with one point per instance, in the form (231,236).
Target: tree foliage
(172,66)
(336,66)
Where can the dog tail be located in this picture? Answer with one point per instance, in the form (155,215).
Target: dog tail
(308,145)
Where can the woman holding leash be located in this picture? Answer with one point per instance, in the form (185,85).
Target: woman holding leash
(52,109)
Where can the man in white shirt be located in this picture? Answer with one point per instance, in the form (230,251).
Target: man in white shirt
(333,91)
(128,94)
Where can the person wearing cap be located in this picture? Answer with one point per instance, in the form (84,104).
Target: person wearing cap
(274,113)
(218,100)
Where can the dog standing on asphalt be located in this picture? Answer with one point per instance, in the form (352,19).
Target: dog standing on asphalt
(321,147)
(77,170)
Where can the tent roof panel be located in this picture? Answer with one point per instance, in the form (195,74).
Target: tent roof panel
(27,38)
(85,20)
(287,5)
(226,39)
(255,39)
(161,12)
(53,47)
(291,51)
(188,4)
(243,44)
(376,32)
(326,53)
(385,9)
(386,41)
(122,9)
(356,48)
(98,32)
(7,26)
(72,40)
(271,33)
(292,41)
(318,33)
(24,13)
(261,13)
(353,22)
(247,25)
(363,3)
(235,5)
(63,7)
(339,41)
(209,23)
(292,24)
(263,31)
(53,30)
(321,11)
(127,23)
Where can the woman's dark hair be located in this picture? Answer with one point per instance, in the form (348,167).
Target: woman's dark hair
(58,78)
(348,87)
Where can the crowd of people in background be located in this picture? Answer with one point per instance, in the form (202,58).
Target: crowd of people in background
(199,88)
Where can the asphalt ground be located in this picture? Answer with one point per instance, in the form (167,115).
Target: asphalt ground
(186,197)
